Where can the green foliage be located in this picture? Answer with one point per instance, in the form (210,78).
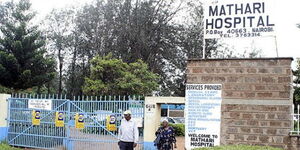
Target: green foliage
(5,146)
(33,90)
(23,59)
(5,90)
(296,74)
(179,129)
(239,147)
(295,128)
(113,76)
(38,90)
(296,94)
(146,30)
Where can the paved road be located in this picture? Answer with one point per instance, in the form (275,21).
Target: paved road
(86,143)
(92,141)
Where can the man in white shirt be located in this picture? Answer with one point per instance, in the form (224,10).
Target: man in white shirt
(128,133)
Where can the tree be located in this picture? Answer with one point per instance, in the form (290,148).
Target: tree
(133,30)
(23,59)
(65,42)
(146,30)
(59,28)
(113,76)
(296,74)
(190,45)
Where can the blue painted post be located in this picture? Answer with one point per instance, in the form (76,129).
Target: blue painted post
(69,125)
(3,116)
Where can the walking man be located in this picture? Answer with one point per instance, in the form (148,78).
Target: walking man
(128,133)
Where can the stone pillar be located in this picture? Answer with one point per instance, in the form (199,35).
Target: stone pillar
(257,97)
(3,116)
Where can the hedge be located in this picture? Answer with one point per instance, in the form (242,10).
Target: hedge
(179,129)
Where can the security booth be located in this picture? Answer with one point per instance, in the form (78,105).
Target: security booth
(152,117)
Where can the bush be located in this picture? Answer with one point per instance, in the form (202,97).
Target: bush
(239,147)
(5,146)
(179,129)
(4,90)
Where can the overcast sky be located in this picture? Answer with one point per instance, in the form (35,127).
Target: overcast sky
(288,35)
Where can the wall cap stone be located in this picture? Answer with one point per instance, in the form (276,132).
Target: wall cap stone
(264,58)
(257,101)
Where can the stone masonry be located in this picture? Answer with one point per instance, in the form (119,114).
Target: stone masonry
(257,98)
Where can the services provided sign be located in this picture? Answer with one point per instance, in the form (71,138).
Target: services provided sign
(203,115)
(239,18)
(44,104)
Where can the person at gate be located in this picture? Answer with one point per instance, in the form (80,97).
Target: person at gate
(165,137)
(128,133)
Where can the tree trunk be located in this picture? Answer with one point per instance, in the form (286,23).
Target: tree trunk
(48,87)
(72,87)
(60,58)
(39,90)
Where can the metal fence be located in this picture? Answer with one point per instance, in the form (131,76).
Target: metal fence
(94,135)
(296,120)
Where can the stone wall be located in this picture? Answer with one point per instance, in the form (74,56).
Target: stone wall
(294,143)
(256,124)
(257,98)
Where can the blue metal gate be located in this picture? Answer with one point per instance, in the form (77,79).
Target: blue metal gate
(94,135)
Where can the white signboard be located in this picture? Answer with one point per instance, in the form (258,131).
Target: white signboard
(203,115)
(45,104)
(239,18)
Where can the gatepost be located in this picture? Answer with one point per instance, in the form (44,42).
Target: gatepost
(153,115)
(3,116)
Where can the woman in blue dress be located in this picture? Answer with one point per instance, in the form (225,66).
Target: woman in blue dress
(166,136)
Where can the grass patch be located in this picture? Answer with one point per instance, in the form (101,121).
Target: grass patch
(239,147)
(5,146)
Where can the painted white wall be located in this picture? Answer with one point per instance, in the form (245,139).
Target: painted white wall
(4,109)
(152,114)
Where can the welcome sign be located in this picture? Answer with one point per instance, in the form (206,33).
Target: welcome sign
(239,18)
(203,115)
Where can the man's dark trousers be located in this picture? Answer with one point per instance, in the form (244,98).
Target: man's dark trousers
(126,145)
